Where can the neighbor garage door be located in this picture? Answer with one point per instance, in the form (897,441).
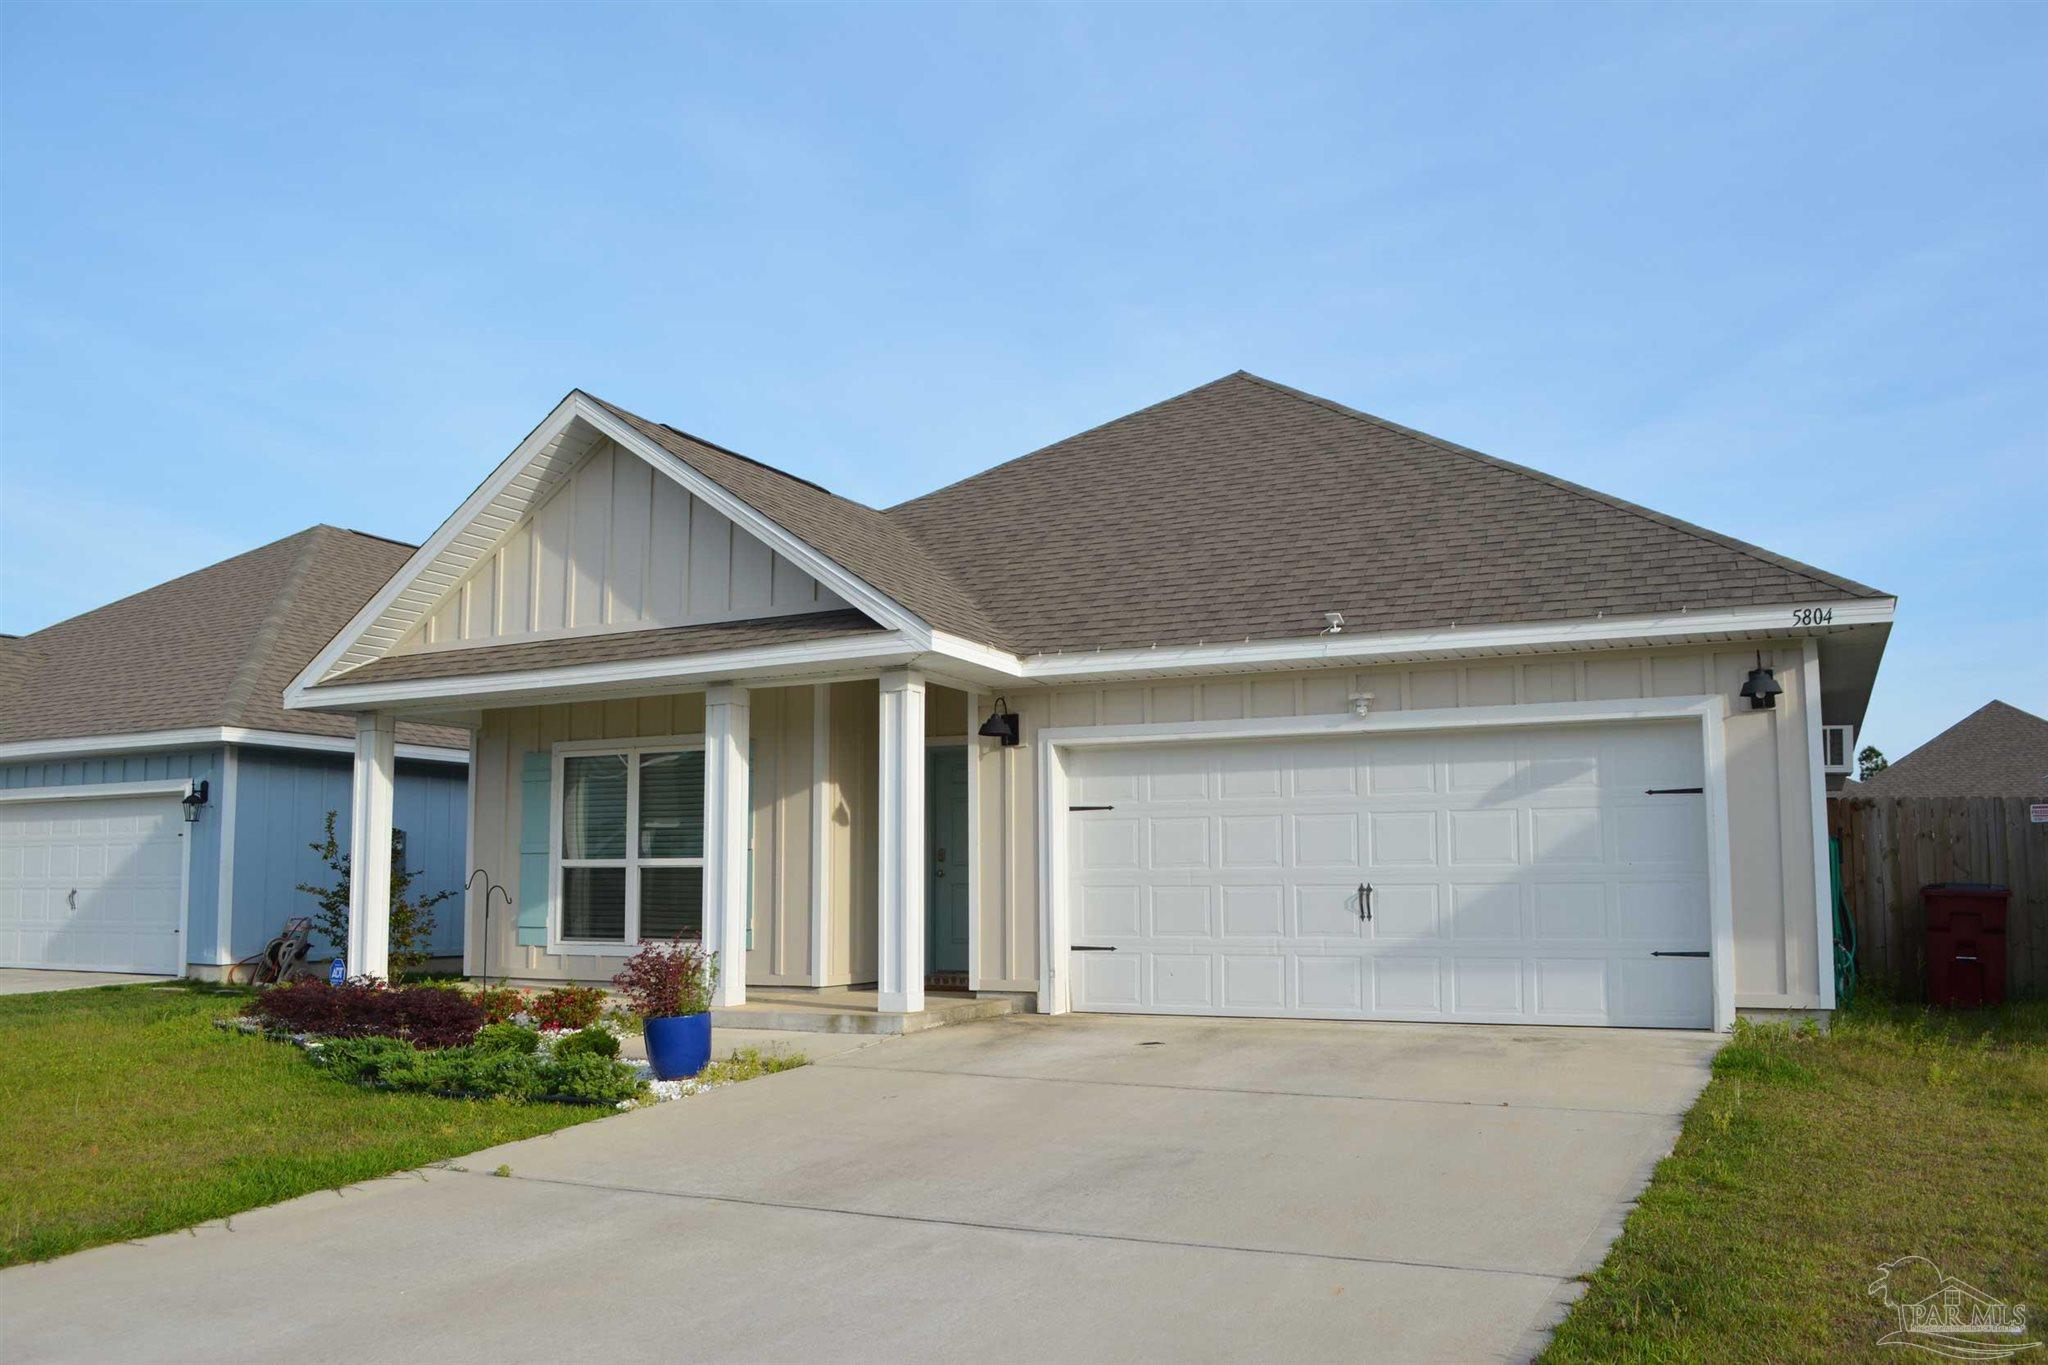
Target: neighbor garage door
(94,884)
(1542,875)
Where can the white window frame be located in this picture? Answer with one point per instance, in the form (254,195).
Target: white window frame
(632,751)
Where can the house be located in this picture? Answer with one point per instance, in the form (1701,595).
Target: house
(156,797)
(1996,750)
(1247,703)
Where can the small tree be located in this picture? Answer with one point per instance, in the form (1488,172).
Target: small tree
(412,919)
(1870,763)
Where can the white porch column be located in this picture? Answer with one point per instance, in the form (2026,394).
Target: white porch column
(369,846)
(726,809)
(900,836)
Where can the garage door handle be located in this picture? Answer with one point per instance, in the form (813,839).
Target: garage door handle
(1092,948)
(1701,953)
(1674,791)
(1365,900)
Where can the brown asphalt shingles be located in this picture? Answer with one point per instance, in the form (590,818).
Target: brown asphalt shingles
(613,647)
(213,648)
(1996,750)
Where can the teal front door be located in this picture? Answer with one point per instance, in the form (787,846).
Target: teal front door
(945,887)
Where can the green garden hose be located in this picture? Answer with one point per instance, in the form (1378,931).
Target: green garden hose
(1845,929)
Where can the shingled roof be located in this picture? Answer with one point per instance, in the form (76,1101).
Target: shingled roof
(213,648)
(1996,750)
(1245,510)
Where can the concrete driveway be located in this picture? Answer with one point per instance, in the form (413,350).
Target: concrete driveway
(1084,1188)
(36,980)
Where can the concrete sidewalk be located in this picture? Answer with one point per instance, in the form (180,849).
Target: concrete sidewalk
(1083,1188)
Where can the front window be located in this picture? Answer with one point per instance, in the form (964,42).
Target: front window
(632,850)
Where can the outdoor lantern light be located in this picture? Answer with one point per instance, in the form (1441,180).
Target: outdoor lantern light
(194,799)
(1001,724)
(1761,687)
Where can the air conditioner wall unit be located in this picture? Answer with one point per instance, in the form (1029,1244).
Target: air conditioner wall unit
(1838,749)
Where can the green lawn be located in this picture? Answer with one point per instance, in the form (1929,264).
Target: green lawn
(1810,1161)
(124,1112)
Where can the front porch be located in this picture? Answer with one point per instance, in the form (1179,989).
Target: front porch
(827,837)
(852,1010)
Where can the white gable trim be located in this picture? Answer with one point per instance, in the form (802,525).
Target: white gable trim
(146,741)
(479,507)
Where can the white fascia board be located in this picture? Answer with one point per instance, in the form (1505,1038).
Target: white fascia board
(1606,632)
(486,492)
(511,689)
(833,575)
(89,746)
(578,407)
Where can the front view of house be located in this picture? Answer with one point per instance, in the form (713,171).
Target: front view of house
(1244,704)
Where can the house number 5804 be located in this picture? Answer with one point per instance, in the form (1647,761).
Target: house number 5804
(1813,616)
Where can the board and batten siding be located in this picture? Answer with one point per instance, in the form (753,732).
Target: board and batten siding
(1768,782)
(781,792)
(202,937)
(281,802)
(617,547)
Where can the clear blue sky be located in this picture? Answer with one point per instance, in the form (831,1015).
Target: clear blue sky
(1776,270)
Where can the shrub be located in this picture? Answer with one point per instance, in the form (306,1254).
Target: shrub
(566,1007)
(666,980)
(506,1038)
(595,1041)
(363,1008)
(412,917)
(499,1003)
(487,1070)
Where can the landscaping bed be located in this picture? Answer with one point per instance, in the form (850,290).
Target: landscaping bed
(1814,1160)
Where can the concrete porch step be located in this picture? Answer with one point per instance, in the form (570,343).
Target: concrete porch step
(853,1012)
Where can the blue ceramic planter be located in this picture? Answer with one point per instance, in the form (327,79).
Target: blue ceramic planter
(679,1047)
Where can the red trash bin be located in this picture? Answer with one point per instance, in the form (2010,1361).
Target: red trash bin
(1965,943)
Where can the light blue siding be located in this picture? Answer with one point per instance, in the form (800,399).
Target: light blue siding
(196,765)
(282,798)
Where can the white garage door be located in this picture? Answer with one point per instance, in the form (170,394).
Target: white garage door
(92,884)
(1543,875)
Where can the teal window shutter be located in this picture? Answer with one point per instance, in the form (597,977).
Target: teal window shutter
(536,774)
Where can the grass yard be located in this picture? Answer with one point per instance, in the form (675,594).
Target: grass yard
(1809,1162)
(126,1112)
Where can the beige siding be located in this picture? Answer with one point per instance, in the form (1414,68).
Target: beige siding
(781,793)
(1776,946)
(616,547)
(1770,812)
(851,787)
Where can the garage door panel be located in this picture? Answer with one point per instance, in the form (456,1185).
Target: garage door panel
(1488,986)
(1571,989)
(1183,980)
(1406,913)
(1181,912)
(1402,838)
(1486,910)
(1515,874)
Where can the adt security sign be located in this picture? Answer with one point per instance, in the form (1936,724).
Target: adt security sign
(337,972)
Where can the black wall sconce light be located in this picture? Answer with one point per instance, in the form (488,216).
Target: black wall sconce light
(1761,687)
(1001,724)
(194,799)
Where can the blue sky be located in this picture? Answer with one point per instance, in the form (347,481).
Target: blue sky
(1780,271)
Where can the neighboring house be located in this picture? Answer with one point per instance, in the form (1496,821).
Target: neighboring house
(1996,750)
(1319,716)
(157,799)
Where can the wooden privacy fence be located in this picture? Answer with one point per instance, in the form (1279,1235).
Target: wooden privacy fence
(1893,846)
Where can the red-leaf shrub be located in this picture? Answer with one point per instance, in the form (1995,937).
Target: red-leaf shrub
(569,1007)
(499,1003)
(668,980)
(426,1016)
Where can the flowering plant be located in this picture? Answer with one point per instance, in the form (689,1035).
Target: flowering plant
(666,980)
